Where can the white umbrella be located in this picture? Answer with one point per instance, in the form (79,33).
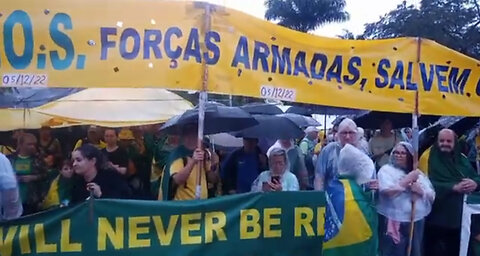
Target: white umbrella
(226,140)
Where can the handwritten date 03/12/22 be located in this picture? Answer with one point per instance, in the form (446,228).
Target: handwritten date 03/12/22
(278,93)
(34,80)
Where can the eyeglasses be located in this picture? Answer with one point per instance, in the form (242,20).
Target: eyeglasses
(400,153)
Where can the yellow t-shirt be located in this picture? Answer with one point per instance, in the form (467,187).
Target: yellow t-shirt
(318,148)
(423,161)
(187,190)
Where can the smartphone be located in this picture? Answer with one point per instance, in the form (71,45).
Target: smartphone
(275,179)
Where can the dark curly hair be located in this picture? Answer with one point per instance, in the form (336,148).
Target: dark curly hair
(90,152)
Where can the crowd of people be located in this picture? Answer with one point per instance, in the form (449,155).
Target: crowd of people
(143,163)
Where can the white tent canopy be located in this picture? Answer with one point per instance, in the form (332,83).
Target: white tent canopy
(113,107)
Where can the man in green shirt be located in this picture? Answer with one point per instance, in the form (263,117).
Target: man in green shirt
(452,176)
(30,171)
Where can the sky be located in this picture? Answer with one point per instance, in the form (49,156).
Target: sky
(361,12)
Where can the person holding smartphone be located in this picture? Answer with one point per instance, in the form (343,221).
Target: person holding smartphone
(279,177)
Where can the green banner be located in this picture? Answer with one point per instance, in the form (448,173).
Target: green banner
(473,198)
(278,223)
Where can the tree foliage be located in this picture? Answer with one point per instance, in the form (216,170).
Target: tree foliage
(349,35)
(453,23)
(305,15)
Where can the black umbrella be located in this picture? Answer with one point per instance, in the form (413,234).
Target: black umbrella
(301,121)
(272,127)
(338,120)
(462,126)
(299,111)
(459,125)
(262,109)
(218,118)
(427,137)
(373,120)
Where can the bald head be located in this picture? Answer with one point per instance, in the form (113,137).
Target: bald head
(446,132)
(347,132)
(446,140)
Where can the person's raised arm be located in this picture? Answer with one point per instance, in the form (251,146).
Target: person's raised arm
(180,173)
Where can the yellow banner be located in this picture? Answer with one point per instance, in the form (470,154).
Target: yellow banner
(146,43)
(450,82)
(89,43)
(262,59)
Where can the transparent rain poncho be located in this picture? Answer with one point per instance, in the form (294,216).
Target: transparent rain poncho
(399,207)
(355,164)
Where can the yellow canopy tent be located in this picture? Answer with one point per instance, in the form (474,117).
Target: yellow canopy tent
(112,107)
(13,119)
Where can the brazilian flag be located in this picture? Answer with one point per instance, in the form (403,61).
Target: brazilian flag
(350,220)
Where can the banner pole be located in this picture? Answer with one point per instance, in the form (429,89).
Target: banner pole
(415,129)
(201,107)
(415,142)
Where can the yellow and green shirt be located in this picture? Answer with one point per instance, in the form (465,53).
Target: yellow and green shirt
(58,193)
(23,166)
(187,190)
